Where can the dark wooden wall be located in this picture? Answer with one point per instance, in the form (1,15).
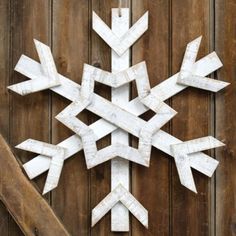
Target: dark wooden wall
(65,25)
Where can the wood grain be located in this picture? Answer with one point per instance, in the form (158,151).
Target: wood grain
(173,210)
(153,48)
(4,82)
(29,117)
(70,50)
(190,212)
(225,45)
(24,202)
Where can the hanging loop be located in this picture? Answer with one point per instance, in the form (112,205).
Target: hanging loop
(119,9)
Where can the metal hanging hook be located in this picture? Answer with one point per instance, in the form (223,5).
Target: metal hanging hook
(119,9)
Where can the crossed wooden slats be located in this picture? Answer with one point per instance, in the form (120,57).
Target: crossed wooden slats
(114,114)
(147,96)
(161,140)
(47,79)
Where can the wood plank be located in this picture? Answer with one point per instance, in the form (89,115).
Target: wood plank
(101,57)
(153,48)
(34,214)
(225,46)
(4,82)
(29,117)
(190,212)
(70,50)
(120,173)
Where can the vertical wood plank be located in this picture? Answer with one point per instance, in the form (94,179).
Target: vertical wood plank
(4,82)
(29,115)
(120,173)
(70,49)
(153,181)
(100,54)
(225,44)
(190,212)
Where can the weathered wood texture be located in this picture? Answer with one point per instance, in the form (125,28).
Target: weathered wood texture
(66,26)
(190,213)
(225,123)
(70,39)
(32,213)
(29,20)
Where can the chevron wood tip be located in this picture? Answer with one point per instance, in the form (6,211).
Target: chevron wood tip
(120,43)
(196,42)
(22,200)
(46,78)
(56,153)
(120,194)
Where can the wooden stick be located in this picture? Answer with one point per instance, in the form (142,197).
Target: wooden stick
(28,208)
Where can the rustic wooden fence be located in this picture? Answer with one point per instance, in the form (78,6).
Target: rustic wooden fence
(65,25)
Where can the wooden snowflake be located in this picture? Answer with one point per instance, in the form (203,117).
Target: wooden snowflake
(119,117)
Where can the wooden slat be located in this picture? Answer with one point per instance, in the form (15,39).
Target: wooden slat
(4,81)
(153,48)
(70,50)
(225,46)
(100,56)
(34,216)
(29,116)
(120,173)
(190,212)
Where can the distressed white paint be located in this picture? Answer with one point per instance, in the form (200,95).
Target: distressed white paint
(55,152)
(47,79)
(114,114)
(187,76)
(120,194)
(181,153)
(120,173)
(101,128)
(119,40)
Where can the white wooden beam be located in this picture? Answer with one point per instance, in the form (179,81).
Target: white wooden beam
(120,61)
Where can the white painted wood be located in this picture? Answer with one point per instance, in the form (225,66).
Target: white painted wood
(181,153)
(186,75)
(120,194)
(47,79)
(120,173)
(161,140)
(57,159)
(114,114)
(120,43)
(92,155)
(203,83)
